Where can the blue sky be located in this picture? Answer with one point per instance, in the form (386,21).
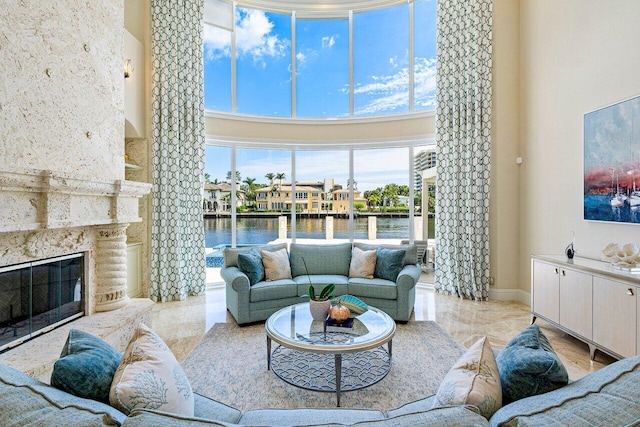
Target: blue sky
(263,84)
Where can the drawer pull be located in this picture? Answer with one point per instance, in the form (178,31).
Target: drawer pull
(564,273)
(630,292)
(555,270)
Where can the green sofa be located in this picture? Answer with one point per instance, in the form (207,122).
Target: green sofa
(326,264)
(610,397)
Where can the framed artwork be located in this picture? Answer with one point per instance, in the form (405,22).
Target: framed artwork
(612,163)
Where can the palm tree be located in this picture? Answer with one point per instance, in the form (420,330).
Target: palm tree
(250,189)
(280,176)
(238,176)
(270,177)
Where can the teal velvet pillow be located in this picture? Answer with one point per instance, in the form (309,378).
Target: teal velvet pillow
(529,366)
(250,263)
(86,366)
(389,263)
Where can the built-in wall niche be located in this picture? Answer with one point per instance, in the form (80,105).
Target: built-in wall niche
(38,296)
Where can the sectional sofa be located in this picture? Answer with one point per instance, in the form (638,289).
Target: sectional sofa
(610,397)
(393,293)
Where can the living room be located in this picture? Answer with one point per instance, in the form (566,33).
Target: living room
(63,108)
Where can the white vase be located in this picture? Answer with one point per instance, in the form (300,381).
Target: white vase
(319,309)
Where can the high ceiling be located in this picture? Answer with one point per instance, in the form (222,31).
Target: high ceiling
(328,8)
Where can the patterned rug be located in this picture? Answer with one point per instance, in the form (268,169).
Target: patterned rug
(230,365)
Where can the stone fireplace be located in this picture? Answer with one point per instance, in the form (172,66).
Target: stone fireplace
(47,214)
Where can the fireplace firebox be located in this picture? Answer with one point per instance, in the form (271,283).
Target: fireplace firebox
(38,296)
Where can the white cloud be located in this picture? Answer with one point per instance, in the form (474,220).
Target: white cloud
(389,92)
(329,41)
(217,42)
(302,58)
(254,36)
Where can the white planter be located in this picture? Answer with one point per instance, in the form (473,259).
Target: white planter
(319,309)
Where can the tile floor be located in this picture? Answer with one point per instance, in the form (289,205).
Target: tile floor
(183,323)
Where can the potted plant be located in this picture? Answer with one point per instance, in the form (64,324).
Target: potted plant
(319,305)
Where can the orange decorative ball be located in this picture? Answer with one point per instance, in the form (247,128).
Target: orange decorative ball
(339,313)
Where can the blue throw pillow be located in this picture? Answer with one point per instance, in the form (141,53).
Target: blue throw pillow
(250,263)
(86,366)
(529,366)
(389,263)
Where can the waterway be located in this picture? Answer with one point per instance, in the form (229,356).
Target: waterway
(264,230)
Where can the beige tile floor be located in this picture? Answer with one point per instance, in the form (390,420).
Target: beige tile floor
(183,323)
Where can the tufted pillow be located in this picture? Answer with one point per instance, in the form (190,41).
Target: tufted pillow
(150,377)
(473,380)
(250,263)
(276,265)
(389,263)
(86,366)
(363,263)
(529,366)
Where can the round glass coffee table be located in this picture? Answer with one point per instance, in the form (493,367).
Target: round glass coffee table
(317,357)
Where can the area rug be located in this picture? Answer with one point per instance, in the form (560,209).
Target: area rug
(230,366)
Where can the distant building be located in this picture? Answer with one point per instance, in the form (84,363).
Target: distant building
(217,197)
(423,161)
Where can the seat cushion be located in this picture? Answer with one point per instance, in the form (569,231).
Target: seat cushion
(27,401)
(473,380)
(529,366)
(277,289)
(86,366)
(373,288)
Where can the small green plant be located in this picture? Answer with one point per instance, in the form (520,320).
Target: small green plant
(326,292)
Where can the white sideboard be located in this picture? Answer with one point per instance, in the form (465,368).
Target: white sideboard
(590,300)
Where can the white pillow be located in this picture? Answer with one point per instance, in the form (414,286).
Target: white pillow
(276,265)
(473,380)
(150,377)
(363,263)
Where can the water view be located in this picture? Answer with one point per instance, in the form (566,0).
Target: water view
(264,230)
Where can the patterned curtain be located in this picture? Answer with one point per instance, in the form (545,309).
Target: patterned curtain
(463,135)
(177,231)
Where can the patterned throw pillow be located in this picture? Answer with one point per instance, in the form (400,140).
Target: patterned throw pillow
(250,263)
(150,377)
(473,380)
(529,366)
(276,265)
(389,263)
(363,263)
(86,366)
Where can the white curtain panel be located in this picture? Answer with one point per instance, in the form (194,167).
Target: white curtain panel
(463,135)
(178,138)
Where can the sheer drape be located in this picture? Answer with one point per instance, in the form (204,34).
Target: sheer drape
(463,135)
(177,231)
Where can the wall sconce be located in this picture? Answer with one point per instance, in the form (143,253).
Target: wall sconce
(128,69)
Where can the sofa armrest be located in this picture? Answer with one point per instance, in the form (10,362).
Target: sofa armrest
(408,277)
(236,278)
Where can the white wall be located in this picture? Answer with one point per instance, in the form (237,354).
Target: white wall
(576,56)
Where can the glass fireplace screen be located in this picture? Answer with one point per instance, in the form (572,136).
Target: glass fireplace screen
(38,296)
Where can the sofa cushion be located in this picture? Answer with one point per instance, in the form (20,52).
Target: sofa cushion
(363,263)
(411,256)
(308,416)
(607,397)
(230,255)
(389,263)
(373,288)
(27,401)
(320,259)
(86,366)
(528,366)
(473,380)
(274,290)
(276,265)
(250,263)
(203,407)
(149,376)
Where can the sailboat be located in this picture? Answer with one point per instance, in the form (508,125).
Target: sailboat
(618,199)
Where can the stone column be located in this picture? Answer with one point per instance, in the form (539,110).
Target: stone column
(111,267)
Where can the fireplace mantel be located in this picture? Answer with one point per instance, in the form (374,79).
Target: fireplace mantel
(42,199)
